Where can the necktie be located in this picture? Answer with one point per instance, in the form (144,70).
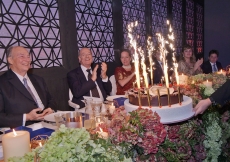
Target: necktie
(28,89)
(214,68)
(94,91)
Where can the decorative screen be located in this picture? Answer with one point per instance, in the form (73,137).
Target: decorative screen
(33,25)
(159,18)
(134,10)
(94,23)
(199,29)
(190,22)
(177,25)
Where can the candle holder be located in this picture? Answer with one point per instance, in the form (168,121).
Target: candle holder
(148,96)
(159,99)
(139,97)
(179,99)
(38,139)
(169,101)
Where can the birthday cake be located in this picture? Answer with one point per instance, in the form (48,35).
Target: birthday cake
(170,105)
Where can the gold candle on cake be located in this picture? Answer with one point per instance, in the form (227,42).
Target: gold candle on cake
(179,95)
(159,99)
(169,102)
(139,97)
(148,96)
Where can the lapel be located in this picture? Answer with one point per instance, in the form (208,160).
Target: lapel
(81,74)
(13,79)
(38,88)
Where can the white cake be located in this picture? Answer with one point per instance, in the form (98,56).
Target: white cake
(174,114)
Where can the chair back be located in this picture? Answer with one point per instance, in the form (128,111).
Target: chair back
(114,85)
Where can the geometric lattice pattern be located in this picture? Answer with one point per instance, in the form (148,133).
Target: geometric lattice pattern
(159,19)
(177,25)
(199,29)
(134,10)
(94,25)
(190,22)
(33,25)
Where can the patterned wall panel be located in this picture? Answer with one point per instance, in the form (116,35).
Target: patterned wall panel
(199,29)
(190,22)
(134,10)
(177,25)
(159,18)
(33,24)
(94,23)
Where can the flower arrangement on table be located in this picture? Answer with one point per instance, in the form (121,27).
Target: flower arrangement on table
(216,120)
(71,145)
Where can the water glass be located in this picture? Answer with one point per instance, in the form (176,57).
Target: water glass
(96,107)
(59,119)
(73,120)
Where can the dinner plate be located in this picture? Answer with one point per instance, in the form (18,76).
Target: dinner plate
(51,118)
(110,98)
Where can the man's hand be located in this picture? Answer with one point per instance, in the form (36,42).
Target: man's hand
(103,70)
(47,111)
(94,73)
(202,106)
(32,115)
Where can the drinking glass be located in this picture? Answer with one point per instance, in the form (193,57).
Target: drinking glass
(96,107)
(59,119)
(73,119)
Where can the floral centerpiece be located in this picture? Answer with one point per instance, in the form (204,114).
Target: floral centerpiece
(71,145)
(139,134)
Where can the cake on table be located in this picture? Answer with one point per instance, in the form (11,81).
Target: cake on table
(176,109)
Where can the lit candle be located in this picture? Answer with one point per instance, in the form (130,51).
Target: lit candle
(159,99)
(222,72)
(183,79)
(148,96)
(111,108)
(102,134)
(139,97)
(169,103)
(15,144)
(179,99)
(98,121)
(207,83)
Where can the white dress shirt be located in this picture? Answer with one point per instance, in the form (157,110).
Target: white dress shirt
(39,102)
(86,76)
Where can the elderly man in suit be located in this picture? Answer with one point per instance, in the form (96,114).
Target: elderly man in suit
(212,65)
(83,81)
(22,95)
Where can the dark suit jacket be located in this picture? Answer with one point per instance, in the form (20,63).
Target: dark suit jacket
(81,87)
(158,72)
(15,100)
(207,67)
(222,94)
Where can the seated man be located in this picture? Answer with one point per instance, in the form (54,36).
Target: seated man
(83,81)
(212,65)
(22,95)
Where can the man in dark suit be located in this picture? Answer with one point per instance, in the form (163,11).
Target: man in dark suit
(212,65)
(22,95)
(220,96)
(83,81)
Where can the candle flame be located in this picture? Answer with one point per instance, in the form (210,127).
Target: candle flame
(15,134)
(221,70)
(143,67)
(163,52)
(100,129)
(150,51)
(207,81)
(136,56)
(40,144)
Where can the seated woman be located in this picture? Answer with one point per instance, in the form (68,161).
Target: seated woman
(124,75)
(187,64)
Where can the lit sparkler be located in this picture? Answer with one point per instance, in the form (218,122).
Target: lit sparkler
(143,67)
(150,51)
